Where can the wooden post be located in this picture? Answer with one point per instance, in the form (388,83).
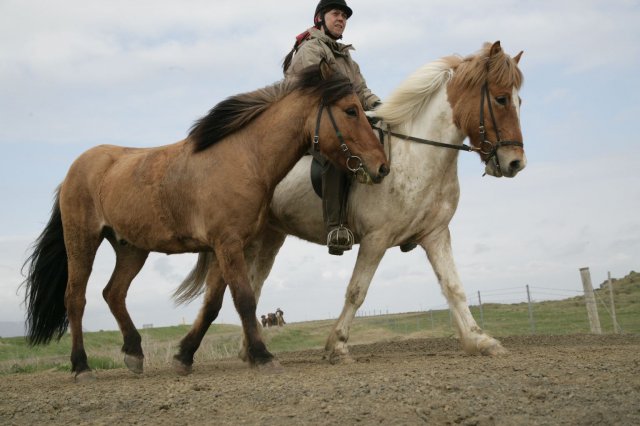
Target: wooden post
(590,301)
(531,322)
(616,327)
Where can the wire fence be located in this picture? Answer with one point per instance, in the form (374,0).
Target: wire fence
(525,310)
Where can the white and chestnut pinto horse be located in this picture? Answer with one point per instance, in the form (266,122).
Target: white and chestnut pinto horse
(440,105)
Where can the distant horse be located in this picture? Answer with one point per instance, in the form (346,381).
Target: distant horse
(426,120)
(207,193)
(272,320)
(264,321)
(280,317)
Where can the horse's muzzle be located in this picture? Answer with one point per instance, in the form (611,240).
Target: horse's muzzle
(383,171)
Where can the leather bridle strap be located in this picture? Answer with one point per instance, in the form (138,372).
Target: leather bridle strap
(462,147)
(357,162)
(492,152)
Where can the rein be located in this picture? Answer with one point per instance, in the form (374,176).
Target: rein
(343,146)
(492,150)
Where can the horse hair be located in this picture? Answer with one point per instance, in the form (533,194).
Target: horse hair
(237,111)
(406,101)
(46,282)
(500,68)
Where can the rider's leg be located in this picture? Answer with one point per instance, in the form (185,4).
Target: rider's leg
(335,189)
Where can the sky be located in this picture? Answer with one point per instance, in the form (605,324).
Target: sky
(75,74)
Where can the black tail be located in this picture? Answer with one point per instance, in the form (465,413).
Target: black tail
(46,282)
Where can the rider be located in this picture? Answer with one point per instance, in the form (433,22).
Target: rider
(317,43)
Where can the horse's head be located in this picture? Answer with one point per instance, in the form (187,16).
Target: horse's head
(484,95)
(340,127)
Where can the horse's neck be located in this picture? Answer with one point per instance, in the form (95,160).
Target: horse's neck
(278,148)
(434,122)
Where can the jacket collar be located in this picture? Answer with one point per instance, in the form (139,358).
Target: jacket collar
(335,46)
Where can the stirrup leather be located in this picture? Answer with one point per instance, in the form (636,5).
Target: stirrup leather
(340,238)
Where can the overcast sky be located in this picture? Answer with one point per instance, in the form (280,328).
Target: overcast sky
(75,74)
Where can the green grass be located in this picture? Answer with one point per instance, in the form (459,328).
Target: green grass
(566,316)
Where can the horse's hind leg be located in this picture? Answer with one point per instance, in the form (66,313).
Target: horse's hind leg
(369,257)
(129,261)
(81,251)
(183,360)
(473,339)
(234,272)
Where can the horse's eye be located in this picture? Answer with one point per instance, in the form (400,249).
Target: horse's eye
(502,100)
(352,112)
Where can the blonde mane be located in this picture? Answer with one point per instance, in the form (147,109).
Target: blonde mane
(470,72)
(414,92)
(502,70)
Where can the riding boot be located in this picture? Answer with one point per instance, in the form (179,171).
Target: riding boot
(335,188)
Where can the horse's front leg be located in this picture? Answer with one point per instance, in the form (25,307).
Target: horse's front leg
(370,254)
(473,339)
(233,268)
(260,256)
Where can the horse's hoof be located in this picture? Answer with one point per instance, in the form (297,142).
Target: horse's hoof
(242,354)
(341,359)
(270,367)
(86,376)
(181,368)
(495,349)
(134,363)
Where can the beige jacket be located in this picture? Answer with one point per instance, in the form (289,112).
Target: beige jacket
(317,46)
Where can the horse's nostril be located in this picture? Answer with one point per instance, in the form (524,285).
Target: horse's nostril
(515,165)
(384,170)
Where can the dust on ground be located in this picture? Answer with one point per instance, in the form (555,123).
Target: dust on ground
(544,380)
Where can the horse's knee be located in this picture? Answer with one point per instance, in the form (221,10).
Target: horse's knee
(355,296)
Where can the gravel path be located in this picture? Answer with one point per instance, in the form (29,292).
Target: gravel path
(543,380)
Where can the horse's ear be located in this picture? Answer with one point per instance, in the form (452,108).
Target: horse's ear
(495,48)
(518,56)
(326,70)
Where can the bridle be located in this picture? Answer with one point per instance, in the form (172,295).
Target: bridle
(492,151)
(487,148)
(343,146)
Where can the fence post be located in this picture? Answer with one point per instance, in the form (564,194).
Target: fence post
(481,312)
(431,315)
(616,327)
(590,301)
(531,321)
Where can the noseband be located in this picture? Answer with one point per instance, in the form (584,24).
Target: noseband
(492,148)
(343,146)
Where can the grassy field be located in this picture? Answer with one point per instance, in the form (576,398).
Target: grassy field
(566,316)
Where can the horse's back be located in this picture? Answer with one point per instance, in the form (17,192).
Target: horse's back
(110,178)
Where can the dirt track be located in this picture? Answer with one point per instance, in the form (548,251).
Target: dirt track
(543,380)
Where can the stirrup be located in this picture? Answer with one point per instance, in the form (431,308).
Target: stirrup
(340,239)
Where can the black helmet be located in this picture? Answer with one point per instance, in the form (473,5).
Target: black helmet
(332,4)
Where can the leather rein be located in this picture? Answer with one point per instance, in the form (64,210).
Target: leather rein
(491,150)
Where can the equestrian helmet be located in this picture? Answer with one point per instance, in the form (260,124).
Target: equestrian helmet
(325,5)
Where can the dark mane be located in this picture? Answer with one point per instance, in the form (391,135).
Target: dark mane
(238,111)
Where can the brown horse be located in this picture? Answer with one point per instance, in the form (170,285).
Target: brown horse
(209,192)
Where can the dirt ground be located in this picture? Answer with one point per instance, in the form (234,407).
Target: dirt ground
(543,380)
